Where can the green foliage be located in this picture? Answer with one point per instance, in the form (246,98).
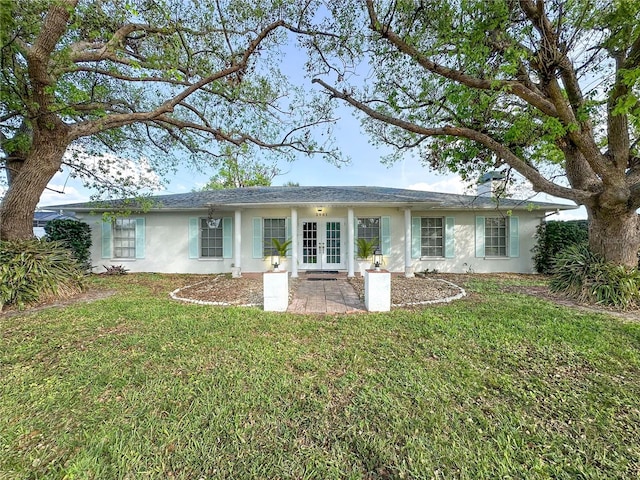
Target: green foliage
(74,235)
(281,247)
(365,248)
(617,285)
(468,85)
(555,236)
(585,276)
(175,81)
(238,169)
(572,270)
(36,270)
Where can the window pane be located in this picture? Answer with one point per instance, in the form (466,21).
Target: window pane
(495,237)
(432,237)
(369,229)
(272,228)
(211,237)
(124,238)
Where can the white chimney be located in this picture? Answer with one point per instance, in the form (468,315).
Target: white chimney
(491,184)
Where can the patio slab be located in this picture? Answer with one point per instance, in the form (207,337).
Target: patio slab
(328,294)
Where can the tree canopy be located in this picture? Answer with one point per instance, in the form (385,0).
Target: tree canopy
(240,169)
(546,88)
(156,82)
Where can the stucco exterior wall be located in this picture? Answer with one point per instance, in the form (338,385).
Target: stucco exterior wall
(465,260)
(166,241)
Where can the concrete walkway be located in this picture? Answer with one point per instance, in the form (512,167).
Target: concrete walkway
(325,293)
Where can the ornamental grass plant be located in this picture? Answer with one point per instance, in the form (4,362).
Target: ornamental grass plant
(585,276)
(37,270)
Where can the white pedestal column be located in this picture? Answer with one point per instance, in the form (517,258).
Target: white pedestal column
(275,288)
(377,290)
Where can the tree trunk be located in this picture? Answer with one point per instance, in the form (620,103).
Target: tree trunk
(27,185)
(615,235)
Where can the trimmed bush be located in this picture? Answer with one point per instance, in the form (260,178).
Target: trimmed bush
(73,234)
(585,276)
(37,270)
(553,237)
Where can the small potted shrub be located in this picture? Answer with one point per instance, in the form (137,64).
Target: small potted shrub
(364,253)
(280,249)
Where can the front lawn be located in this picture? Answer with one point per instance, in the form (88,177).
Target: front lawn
(138,386)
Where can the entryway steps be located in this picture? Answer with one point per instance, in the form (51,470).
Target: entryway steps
(320,275)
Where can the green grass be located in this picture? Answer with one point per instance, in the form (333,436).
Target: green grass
(495,386)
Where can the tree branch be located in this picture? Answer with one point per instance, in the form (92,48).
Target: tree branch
(458,76)
(539,182)
(38,56)
(241,138)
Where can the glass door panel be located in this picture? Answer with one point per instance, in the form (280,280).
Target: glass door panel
(309,244)
(332,245)
(321,246)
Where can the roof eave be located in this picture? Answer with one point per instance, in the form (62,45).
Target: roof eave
(412,206)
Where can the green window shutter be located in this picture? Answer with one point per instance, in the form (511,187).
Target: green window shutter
(140,237)
(479,236)
(106,239)
(514,237)
(287,229)
(227,237)
(449,237)
(385,233)
(416,237)
(194,234)
(257,238)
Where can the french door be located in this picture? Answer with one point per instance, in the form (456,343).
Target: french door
(322,245)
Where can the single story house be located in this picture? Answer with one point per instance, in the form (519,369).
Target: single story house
(231,230)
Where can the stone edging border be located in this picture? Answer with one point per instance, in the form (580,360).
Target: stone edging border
(174,295)
(458,296)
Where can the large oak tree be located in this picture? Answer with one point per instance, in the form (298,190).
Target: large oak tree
(138,78)
(546,88)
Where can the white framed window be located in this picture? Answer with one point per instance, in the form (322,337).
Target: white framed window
(369,229)
(273,228)
(124,238)
(498,237)
(495,237)
(211,238)
(432,237)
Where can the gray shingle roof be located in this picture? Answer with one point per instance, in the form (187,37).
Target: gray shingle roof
(255,197)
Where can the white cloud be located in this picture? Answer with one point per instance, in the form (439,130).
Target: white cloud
(578,214)
(58,194)
(447,185)
(181,188)
(113,168)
